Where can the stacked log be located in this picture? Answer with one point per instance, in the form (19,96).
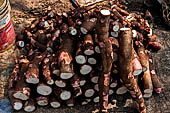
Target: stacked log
(84,56)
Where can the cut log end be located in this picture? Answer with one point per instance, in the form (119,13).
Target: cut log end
(85,69)
(55,104)
(148,91)
(42,102)
(92,61)
(147,95)
(96,99)
(80,59)
(18,106)
(44,90)
(20,95)
(114,34)
(66,75)
(82,82)
(124,29)
(20,44)
(158,90)
(95,79)
(65,95)
(122,90)
(50,82)
(56,72)
(32,80)
(60,83)
(137,72)
(89,52)
(105,12)
(29,108)
(83,30)
(97,49)
(73,32)
(89,92)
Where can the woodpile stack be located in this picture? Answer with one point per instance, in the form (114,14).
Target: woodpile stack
(84,56)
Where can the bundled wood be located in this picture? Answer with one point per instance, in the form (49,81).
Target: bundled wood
(85,55)
(102,28)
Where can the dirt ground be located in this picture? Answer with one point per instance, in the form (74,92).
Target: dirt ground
(22,16)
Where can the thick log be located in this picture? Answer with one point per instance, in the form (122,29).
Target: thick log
(44,89)
(92,61)
(65,57)
(125,68)
(29,105)
(102,29)
(82,81)
(88,90)
(32,75)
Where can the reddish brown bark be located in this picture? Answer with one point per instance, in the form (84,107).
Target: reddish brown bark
(102,29)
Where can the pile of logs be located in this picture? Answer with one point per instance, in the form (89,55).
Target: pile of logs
(84,56)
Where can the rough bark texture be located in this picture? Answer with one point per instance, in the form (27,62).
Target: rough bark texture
(125,68)
(102,29)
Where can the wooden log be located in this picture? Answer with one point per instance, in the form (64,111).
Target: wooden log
(32,75)
(146,79)
(82,81)
(65,57)
(87,26)
(136,65)
(102,29)
(70,102)
(55,102)
(42,100)
(88,45)
(77,91)
(62,94)
(29,105)
(125,68)
(80,57)
(46,70)
(96,87)
(44,89)
(155,80)
(75,81)
(22,90)
(92,61)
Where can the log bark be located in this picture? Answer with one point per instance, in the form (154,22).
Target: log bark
(102,29)
(125,68)
(80,57)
